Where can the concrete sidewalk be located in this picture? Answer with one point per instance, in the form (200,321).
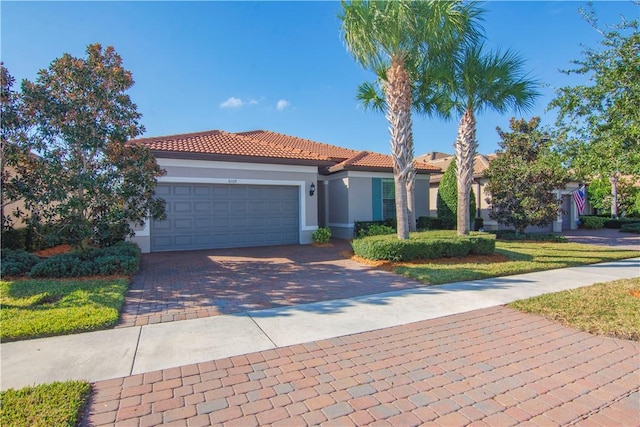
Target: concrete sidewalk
(123,352)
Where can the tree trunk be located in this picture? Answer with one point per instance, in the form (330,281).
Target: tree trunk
(613,179)
(398,93)
(465,147)
(411,189)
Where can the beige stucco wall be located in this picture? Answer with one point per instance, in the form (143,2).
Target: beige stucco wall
(350,199)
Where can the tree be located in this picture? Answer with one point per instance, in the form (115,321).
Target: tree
(523,177)
(447,200)
(88,180)
(601,119)
(14,159)
(391,36)
(483,81)
(599,195)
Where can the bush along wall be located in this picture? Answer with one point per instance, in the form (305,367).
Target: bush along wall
(120,259)
(426,245)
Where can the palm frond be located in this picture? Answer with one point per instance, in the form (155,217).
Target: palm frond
(371,97)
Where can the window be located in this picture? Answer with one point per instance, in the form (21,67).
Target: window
(388,198)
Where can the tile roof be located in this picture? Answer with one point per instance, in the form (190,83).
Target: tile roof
(328,150)
(267,145)
(480,163)
(365,160)
(217,142)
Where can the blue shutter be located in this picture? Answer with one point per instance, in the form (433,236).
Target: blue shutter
(376,199)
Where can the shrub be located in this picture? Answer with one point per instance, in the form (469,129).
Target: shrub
(13,238)
(533,237)
(17,262)
(321,235)
(429,223)
(618,223)
(447,199)
(376,230)
(361,228)
(633,227)
(478,224)
(427,245)
(121,258)
(592,222)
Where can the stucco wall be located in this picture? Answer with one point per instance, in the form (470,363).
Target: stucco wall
(422,197)
(338,209)
(360,199)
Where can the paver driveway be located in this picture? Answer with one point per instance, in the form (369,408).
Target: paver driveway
(190,284)
(489,367)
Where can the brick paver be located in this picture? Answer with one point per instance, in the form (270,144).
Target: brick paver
(173,286)
(493,366)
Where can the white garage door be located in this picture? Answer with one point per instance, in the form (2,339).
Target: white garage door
(206,216)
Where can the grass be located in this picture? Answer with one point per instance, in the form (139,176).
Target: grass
(609,309)
(43,308)
(513,258)
(55,404)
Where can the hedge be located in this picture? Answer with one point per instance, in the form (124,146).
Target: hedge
(534,237)
(424,245)
(599,221)
(361,228)
(120,259)
(592,222)
(633,227)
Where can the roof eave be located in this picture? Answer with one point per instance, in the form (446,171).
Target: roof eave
(164,154)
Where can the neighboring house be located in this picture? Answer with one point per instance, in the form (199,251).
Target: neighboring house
(264,188)
(567,218)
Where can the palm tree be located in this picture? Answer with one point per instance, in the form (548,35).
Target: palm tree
(481,82)
(429,96)
(389,35)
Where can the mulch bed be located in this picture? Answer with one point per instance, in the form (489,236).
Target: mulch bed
(56,250)
(390,265)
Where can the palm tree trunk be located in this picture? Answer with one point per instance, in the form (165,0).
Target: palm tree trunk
(399,116)
(411,189)
(465,147)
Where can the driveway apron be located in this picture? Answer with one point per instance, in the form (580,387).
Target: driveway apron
(185,285)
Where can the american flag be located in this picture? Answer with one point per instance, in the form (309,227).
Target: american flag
(579,197)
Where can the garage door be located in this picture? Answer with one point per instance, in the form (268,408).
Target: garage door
(206,216)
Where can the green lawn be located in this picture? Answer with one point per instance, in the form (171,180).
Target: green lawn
(521,257)
(42,308)
(55,404)
(603,309)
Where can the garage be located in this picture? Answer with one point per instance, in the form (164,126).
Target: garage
(211,216)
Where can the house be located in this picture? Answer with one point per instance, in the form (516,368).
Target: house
(260,188)
(567,218)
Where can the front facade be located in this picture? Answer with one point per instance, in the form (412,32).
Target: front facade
(568,217)
(260,188)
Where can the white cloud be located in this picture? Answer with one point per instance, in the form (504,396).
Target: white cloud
(282,104)
(232,103)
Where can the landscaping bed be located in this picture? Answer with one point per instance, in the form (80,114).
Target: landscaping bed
(510,257)
(423,245)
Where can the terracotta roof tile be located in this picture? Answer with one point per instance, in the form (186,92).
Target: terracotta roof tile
(367,160)
(328,150)
(271,145)
(480,163)
(218,142)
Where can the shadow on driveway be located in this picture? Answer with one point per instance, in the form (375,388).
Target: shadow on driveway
(190,284)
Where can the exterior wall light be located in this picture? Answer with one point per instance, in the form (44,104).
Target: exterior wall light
(312,189)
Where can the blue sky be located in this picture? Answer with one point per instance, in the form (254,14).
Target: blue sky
(279,66)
